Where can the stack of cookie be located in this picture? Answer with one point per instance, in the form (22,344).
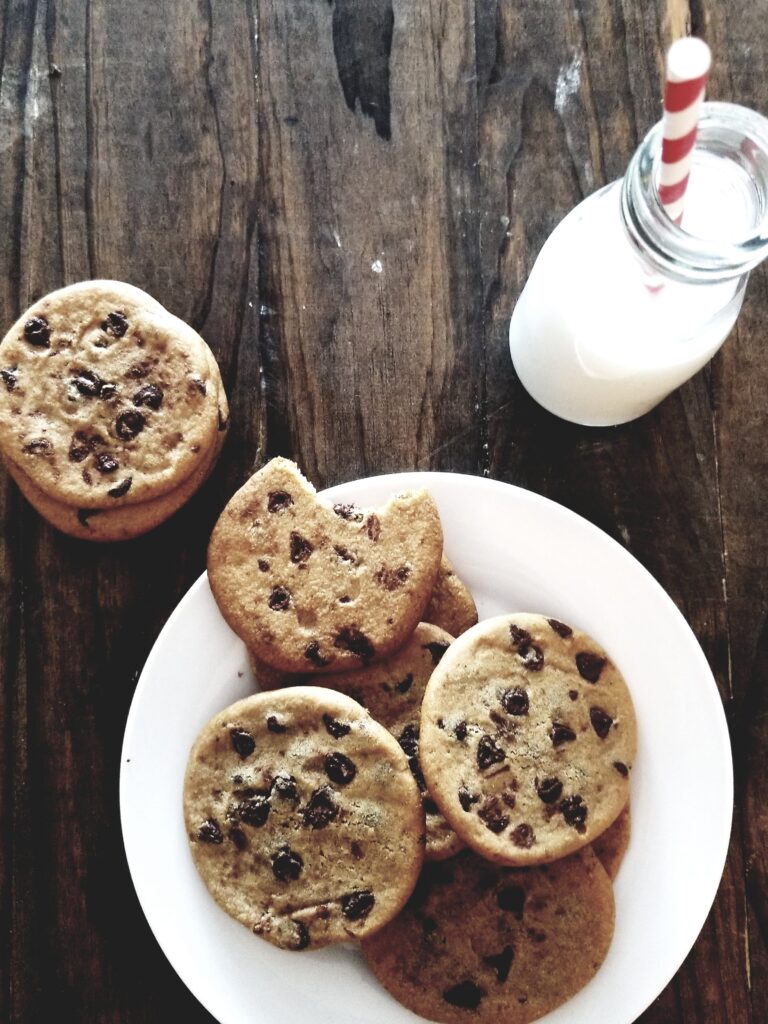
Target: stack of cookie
(500,757)
(112,410)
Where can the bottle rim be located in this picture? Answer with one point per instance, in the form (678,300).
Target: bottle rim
(734,132)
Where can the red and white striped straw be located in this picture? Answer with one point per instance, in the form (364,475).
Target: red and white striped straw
(688,62)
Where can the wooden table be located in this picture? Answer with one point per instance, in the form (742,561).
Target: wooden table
(345,199)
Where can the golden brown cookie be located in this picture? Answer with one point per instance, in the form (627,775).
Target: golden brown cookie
(315,587)
(611,846)
(527,739)
(451,606)
(477,942)
(106,397)
(303,818)
(391,690)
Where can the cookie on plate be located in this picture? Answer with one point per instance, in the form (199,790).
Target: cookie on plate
(488,944)
(391,691)
(451,606)
(527,739)
(317,587)
(106,398)
(611,846)
(303,818)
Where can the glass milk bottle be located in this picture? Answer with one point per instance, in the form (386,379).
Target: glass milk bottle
(622,305)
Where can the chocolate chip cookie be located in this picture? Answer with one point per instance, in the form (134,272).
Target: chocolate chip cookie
(312,586)
(392,690)
(527,739)
(451,606)
(611,846)
(106,398)
(303,817)
(489,944)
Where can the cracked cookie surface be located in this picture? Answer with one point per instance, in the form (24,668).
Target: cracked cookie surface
(303,817)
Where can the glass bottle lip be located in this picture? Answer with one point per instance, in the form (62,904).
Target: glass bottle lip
(734,133)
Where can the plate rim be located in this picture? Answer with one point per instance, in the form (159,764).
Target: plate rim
(194,984)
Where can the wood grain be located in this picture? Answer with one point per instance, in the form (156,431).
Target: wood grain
(346,200)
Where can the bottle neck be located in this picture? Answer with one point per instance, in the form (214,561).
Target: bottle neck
(731,160)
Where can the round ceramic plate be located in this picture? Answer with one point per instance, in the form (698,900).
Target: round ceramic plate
(517,552)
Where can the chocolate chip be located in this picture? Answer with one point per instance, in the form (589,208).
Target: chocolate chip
(575,811)
(356,850)
(405,684)
(430,807)
(128,424)
(115,324)
(278,501)
(524,836)
(460,730)
(253,811)
(488,752)
(621,768)
(515,701)
(243,743)
(9,379)
(87,477)
(312,653)
(601,721)
(560,734)
(84,514)
(466,799)
(343,554)
(348,512)
(353,640)
(466,995)
(286,865)
(373,527)
(493,816)
(532,657)
(263,565)
(120,489)
(436,649)
(37,332)
(415,766)
(409,740)
(285,786)
(501,962)
(520,637)
(107,391)
(88,383)
(560,628)
(150,395)
(336,728)
(340,769)
(105,463)
(200,384)
(573,694)
(279,599)
(511,898)
(358,904)
(391,579)
(238,837)
(38,446)
(274,725)
(302,937)
(301,548)
(589,665)
(321,809)
(549,790)
(209,832)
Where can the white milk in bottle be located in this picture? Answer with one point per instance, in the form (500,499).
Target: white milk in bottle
(622,305)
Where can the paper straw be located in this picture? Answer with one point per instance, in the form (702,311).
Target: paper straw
(688,62)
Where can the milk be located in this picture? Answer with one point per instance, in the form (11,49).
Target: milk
(597,337)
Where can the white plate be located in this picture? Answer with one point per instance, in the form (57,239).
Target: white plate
(516,551)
